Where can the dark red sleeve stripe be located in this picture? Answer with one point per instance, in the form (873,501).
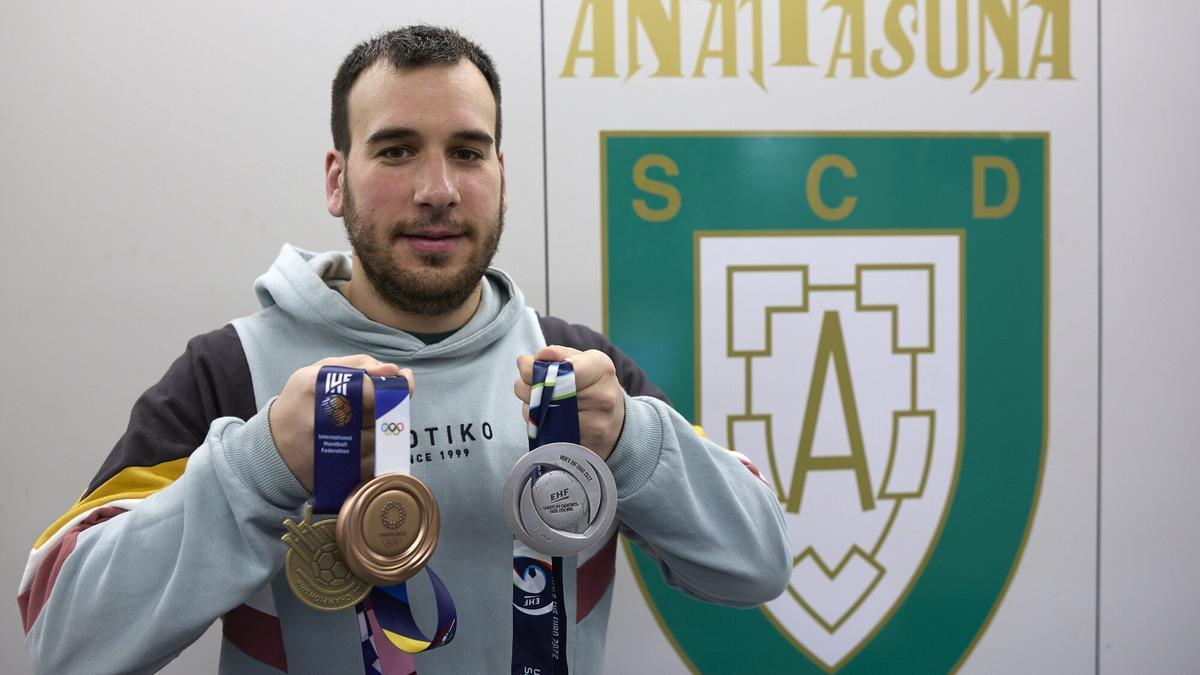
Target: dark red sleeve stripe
(32,600)
(257,634)
(594,578)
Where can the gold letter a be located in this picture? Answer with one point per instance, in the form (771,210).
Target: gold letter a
(831,346)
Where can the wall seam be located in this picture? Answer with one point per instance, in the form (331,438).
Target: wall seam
(1099,315)
(545,165)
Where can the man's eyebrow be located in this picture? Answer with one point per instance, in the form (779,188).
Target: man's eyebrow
(392,134)
(475,136)
(408,133)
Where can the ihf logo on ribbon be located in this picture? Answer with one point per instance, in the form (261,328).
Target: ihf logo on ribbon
(872,337)
(336,383)
(335,406)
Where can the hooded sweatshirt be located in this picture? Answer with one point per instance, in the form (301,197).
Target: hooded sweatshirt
(182,524)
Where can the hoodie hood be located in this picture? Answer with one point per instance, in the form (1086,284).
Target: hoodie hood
(302,284)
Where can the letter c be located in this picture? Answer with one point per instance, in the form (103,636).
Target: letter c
(815,202)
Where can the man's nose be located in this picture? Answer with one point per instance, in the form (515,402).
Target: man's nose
(436,186)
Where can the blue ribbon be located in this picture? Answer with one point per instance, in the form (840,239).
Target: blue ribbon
(337,437)
(539,617)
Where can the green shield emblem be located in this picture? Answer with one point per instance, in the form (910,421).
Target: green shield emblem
(863,316)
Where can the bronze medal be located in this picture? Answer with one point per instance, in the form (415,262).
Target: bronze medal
(315,568)
(388,529)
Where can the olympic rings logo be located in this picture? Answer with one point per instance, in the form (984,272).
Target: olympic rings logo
(391,428)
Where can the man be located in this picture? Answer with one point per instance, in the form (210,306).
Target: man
(182,524)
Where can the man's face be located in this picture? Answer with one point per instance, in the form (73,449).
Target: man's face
(422,188)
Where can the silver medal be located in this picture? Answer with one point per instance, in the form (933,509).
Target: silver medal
(571,505)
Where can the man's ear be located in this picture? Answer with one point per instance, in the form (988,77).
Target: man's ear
(503,184)
(335,183)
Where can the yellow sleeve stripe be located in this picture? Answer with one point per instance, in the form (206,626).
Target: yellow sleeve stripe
(699,431)
(134,482)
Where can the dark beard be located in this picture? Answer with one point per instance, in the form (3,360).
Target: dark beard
(416,293)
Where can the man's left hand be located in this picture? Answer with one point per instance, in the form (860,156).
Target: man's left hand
(601,399)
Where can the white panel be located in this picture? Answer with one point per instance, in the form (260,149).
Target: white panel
(1048,609)
(1150,558)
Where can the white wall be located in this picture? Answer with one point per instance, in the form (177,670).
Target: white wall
(156,156)
(1150,558)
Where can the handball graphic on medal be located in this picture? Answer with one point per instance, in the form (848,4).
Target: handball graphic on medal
(315,568)
(560,499)
(562,502)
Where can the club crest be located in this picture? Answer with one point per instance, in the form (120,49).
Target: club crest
(832,360)
(874,342)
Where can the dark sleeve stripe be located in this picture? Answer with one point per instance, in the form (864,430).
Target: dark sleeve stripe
(210,380)
(633,379)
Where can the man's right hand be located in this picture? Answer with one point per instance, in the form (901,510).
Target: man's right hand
(291,415)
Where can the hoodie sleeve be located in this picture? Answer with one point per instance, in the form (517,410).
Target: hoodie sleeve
(704,513)
(180,525)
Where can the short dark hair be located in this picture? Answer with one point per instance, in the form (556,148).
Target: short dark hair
(408,47)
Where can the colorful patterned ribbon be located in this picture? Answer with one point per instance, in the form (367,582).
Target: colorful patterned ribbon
(337,440)
(388,605)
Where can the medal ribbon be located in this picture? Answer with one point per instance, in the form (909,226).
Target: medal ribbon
(387,606)
(337,440)
(337,437)
(539,620)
